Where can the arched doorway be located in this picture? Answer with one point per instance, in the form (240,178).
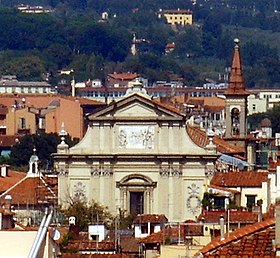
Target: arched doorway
(136,193)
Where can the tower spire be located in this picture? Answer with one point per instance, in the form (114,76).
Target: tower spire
(236,85)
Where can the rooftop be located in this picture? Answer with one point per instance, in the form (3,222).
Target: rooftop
(239,179)
(250,241)
(235,216)
(153,218)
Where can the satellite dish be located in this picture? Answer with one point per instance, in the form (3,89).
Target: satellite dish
(56,235)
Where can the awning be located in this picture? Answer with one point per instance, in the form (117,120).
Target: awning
(234,161)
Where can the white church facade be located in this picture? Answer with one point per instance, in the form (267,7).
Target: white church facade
(137,156)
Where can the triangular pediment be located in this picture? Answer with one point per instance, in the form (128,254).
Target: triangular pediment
(136,109)
(137,106)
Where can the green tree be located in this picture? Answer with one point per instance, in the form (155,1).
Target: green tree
(25,68)
(44,144)
(86,214)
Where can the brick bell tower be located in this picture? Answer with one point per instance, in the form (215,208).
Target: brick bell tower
(236,100)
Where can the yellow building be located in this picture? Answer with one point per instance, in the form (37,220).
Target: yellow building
(177,17)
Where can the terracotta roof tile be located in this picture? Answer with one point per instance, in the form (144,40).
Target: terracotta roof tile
(249,241)
(160,236)
(174,233)
(236,85)
(129,244)
(8,140)
(200,138)
(31,191)
(167,106)
(123,76)
(42,101)
(239,179)
(178,11)
(10,180)
(78,255)
(87,245)
(245,217)
(153,218)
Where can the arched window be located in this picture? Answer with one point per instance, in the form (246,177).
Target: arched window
(235,121)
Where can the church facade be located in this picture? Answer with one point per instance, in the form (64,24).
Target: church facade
(137,156)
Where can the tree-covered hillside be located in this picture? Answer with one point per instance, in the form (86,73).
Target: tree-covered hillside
(73,36)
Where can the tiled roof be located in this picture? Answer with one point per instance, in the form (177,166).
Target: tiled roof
(159,237)
(77,255)
(239,179)
(32,191)
(167,106)
(129,244)
(10,180)
(214,109)
(178,11)
(153,218)
(250,241)
(88,245)
(123,76)
(174,233)
(200,138)
(8,140)
(42,101)
(235,216)
(236,85)
(170,45)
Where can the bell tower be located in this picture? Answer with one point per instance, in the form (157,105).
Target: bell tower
(236,99)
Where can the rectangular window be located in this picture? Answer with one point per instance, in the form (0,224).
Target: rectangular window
(251,201)
(22,123)
(144,228)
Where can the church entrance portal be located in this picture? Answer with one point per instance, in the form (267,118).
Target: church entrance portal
(136,202)
(136,193)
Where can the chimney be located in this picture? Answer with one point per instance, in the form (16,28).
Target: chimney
(222,227)
(4,170)
(8,200)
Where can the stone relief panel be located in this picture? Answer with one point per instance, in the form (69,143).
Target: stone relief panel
(136,137)
(193,202)
(79,191)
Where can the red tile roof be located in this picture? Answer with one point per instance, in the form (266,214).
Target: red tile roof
(167,106)
(129,244)
(250,241)
(153,218)
(245,217)
(200,138)
(178,11)
(174,233)
(239,179)
(32,191)
(88,245)
(123,76)
(161,236)
(77,255)
(10,180)
(8,140)
(236,85)
(42,101)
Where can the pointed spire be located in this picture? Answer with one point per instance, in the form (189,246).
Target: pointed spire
(236,83)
